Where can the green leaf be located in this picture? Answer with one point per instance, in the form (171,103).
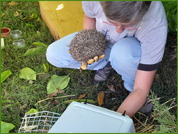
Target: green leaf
(27,73)
(39,43)
(23,11)
(172,26)
(30,81)
(38,19)
(31,111)
(46,67)
(7,106)
(34,51)
(5,75)
(34,16)
(57,82)
(38,33)
(7,101)
(175,18)
(169,4)
(171,14)
(30,25)
(6,127)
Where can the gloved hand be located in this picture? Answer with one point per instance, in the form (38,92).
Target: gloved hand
(90,61)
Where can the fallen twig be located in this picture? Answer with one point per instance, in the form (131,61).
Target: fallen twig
(168,101)
(54,98)
(139,121)
(145,129)
(142,114)
(172,107)
(153,100)
(146,120)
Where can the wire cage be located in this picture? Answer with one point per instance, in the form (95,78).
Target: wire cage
(39,122)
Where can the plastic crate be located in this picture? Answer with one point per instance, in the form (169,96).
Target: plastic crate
(87,118)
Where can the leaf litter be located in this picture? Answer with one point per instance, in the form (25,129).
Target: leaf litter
(100,98)
(56,92)
(13,3)
(82,96)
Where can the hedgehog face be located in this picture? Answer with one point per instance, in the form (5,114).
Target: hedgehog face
(87,44)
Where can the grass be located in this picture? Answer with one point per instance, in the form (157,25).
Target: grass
(25,94)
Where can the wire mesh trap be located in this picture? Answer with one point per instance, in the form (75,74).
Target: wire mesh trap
(39,122)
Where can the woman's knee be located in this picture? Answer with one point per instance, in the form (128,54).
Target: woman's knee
(125,52)
(57,52)
(59,47)
(124,57)
(54,50)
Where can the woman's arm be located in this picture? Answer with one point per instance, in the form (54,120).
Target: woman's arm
(137,97)
(89,23)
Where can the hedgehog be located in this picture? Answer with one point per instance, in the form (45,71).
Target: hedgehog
(87,47)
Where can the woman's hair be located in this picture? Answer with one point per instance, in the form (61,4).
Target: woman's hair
(125,11)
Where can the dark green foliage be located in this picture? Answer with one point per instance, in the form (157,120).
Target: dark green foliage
(171,13)
(167,122)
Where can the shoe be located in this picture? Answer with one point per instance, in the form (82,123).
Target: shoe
(147,108)
(103,74)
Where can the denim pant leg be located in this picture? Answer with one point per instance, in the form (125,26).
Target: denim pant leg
(124,57)
(58,56)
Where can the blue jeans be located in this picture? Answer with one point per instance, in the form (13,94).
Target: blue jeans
(124,57)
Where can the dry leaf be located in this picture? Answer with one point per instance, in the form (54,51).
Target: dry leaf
(111,87)
(100,98)
(54,102)
(55,93)
(16,13)
(23,107)
(12,3)
(82,96)
(2,14)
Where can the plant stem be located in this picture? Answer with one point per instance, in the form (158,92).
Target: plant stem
(145,129)
(172,107)
(71,72)
(16,67)
(53,98)
(40,73)
(139,121)
(168,101)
